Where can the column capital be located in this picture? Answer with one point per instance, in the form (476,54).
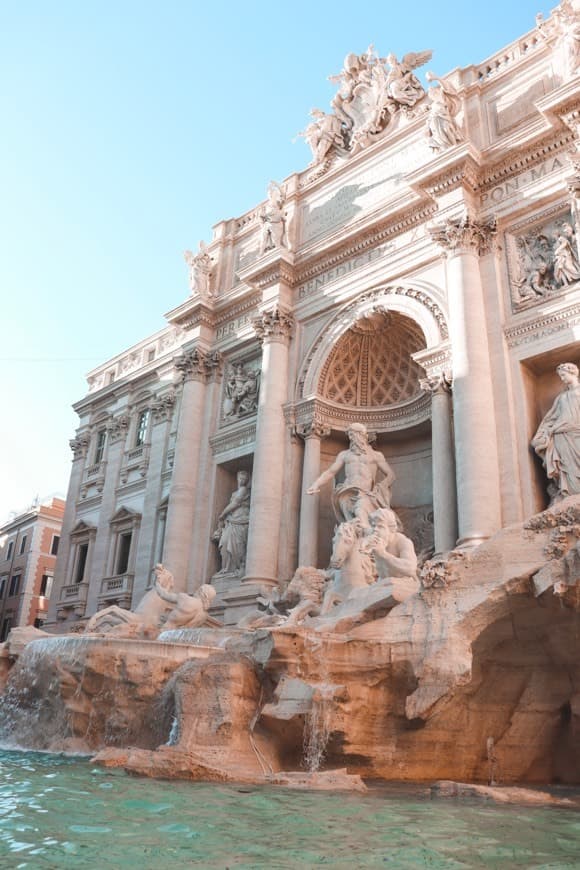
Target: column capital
(275,324)
(313,429)
(198,364)
(437,384)
(161,409)
(464,234)
(79,446)
(118,427)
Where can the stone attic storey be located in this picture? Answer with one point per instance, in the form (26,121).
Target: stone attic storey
(419,277)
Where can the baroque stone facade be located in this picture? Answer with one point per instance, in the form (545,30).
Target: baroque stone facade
(421,277)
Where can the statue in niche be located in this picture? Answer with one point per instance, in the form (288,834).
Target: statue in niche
(358,495)
(324,132)
(442,128)
(200,269)
(242,388)
(231,534)
(273,219)
(564,24)
(557,440)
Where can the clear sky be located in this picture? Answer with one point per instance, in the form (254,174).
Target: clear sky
(129,128)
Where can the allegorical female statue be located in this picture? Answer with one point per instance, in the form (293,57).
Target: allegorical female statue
(557,440)
(231,534)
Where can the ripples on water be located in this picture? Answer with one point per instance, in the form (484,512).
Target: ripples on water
(58,812)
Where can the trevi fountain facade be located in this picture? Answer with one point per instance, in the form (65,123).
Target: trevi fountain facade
(329,515)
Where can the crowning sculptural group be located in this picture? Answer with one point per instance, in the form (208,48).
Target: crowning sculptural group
(372,93)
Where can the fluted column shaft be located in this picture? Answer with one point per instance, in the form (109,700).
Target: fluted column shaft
(476,452)
(183,492)
(274,330)
(309,504)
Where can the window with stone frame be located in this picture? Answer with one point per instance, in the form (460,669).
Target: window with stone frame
(23,540)
(142,428)
(54,545)
(124,534)
(123,552)
(3,585)
(100,446)
(14,585)
(82,552)
(10,550)
(46,585)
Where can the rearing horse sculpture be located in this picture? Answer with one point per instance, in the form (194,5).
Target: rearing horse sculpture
(352,568)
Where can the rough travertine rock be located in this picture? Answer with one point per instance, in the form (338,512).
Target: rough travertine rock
(475,677)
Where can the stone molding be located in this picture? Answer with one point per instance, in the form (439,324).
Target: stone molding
(275,324)
(464,235)
(538,327)
(436,361)
(232,439)
(323,414)
(274,267)
(525,158)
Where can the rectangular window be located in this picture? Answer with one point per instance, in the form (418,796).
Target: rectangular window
(22,544)
(3,585)
(124,548)
(10,549)
(54,545)
(82,553)
(14,585)
(141,428)
(100,448)
(6,626)
(151,355)
(46,585)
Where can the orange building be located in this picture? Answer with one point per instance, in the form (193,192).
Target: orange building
(28,549)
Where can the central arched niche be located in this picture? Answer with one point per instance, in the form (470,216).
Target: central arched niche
(371,364)
(371,368)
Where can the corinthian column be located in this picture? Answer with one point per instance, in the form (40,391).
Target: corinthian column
(443,461)
(464,240)
(312,433)
(274,329)
(183,493)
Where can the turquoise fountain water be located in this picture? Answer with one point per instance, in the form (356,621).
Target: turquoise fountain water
(58,812)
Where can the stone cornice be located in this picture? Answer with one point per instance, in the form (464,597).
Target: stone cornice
(524,158)
(233,437)
(464,234)
(274,324)
(436,361)
(326,415)
(539,326)
(193,312)
(274,267)
(457,167)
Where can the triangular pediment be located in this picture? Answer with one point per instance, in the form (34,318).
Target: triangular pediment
(124,514)
(83,528)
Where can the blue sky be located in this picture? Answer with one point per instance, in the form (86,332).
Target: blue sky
(129,129)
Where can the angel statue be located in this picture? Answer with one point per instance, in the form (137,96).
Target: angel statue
(324,132)
(200,267)
(273,219)
(403,86)
(356,70)
(442,128)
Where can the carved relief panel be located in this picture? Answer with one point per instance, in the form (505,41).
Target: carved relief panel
(543,261)
(241,390)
